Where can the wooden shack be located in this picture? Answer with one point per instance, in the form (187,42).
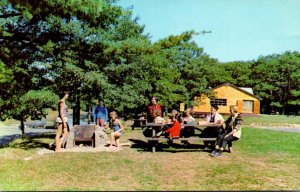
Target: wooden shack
(225,95)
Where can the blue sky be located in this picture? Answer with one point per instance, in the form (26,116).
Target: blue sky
(241,29)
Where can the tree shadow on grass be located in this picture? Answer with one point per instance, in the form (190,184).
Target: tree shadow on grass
(30,141)
(165,147)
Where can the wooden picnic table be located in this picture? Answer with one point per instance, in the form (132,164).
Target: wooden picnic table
(139,123)
(153,141)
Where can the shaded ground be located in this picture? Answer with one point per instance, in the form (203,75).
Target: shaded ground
(11,131)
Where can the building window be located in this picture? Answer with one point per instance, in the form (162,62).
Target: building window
(222,102)
(247,106)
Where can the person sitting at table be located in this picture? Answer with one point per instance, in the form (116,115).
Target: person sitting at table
(157,118)
(147,132)
(212,132)
(174,130)
(174,112)
(232,132)
(189,120)
(151,108)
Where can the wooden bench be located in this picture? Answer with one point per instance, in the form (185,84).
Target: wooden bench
(153,141)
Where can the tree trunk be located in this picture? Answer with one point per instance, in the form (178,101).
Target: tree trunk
(89,114)
(76,112)
(22,128)
(284,109)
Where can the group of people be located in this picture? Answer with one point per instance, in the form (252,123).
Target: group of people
(100,117)
(227,132)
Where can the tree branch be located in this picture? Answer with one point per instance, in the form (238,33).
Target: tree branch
(10,15)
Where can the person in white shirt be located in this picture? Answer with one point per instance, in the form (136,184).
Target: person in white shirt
(157,118)
(211,132)
(190,120)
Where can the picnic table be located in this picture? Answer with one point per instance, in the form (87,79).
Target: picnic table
(139,123)
(153,140)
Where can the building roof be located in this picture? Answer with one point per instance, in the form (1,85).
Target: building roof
(247,90)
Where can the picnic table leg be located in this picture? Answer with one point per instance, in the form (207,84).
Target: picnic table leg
(153,143)
(153,147)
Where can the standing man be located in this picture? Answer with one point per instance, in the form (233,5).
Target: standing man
(151,108)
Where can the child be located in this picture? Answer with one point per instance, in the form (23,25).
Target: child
(157,117)
(118,128)
(174,130)
(188,119)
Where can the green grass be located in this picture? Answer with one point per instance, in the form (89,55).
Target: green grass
(272,120)
(260,141)
(262,160)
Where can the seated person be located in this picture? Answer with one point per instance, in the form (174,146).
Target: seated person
(157,118)
(174,112)
(212,132)
(174,130)
(232,132)
(188,119)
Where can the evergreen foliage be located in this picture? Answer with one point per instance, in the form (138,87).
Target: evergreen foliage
(97,50)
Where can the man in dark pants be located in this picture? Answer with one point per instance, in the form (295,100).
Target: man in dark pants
(212,132)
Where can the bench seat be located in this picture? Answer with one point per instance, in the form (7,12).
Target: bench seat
(153,141)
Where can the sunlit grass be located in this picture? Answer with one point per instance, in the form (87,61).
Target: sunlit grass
(263,160)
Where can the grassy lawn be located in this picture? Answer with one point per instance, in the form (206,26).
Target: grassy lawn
(262,160)
(272,120)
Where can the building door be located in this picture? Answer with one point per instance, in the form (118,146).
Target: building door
(247,106)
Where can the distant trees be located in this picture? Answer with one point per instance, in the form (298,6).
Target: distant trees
(276,81)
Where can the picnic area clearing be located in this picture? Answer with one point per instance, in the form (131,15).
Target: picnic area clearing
(262,160)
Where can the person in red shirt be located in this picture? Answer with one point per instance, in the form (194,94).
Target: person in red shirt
(174,130)
(151,108)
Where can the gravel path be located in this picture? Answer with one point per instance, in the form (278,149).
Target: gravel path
(12,132)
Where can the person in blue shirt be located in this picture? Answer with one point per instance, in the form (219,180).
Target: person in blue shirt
(101,114)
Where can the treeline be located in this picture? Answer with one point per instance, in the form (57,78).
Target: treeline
(96,49)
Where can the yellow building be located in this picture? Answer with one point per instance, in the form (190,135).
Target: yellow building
(225,95)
